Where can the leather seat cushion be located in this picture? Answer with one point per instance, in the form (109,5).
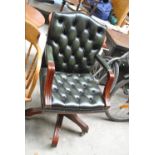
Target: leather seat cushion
(74,92)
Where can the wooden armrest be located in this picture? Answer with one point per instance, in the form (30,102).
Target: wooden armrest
(48,83)
(107,88)
(110,79)
(49,76)
(49,54)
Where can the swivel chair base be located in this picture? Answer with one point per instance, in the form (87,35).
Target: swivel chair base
(73,117)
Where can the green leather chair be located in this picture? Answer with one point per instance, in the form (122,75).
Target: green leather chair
(66,85)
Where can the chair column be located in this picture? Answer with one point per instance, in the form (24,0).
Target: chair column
(56,130)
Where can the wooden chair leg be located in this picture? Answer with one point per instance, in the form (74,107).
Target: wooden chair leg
(78,6)
(62,6)
(74,117)
(33,111)
(56,130)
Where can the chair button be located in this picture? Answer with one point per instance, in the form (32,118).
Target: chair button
(93,91)
(60,83)
(84,85)
(68,90)
(81,91)
(63,98)
(90,98)
(55,89)
(72,84)
(64,77)
(77,98)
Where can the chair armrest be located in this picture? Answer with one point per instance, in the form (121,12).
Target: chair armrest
(48,54)
(110,79)
(103,62)
(49,76)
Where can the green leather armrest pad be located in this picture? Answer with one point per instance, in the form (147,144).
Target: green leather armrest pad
(103,62)
(49,54)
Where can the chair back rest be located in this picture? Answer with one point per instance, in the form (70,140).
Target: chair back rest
(75,39)
(120,8)
(32,59)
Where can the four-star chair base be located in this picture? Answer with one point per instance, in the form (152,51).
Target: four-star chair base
(73,117)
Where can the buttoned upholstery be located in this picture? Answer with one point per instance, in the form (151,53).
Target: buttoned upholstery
(74,40)
(74,92)
(66,86)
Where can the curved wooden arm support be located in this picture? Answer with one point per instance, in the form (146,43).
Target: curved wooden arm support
(110,79)
(48,83)
(108,86)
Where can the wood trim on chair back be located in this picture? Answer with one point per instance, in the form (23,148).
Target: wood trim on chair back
(32,67)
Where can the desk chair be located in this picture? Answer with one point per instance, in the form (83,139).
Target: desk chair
(66,85)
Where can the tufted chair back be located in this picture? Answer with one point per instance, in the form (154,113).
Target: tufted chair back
(75,40)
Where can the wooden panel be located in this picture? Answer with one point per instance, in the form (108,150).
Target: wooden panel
(121,8)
